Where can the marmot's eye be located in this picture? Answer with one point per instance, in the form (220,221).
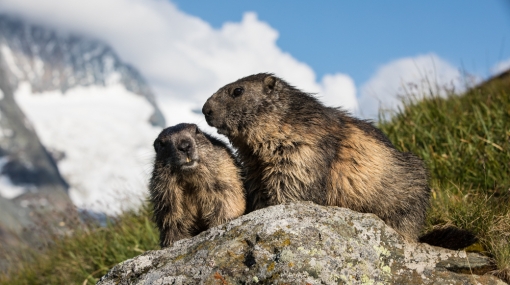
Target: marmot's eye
(238,91)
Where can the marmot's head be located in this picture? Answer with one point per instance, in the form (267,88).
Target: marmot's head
(235,106)
(179,147)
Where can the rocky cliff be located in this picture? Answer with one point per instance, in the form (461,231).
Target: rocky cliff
(302,243)
(53,61)
(41,206)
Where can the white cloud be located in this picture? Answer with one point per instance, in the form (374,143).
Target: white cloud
(333,88)
(182,56)
(416,76)
(501,67)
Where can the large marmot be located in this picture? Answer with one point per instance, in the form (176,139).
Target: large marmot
(294,148)
(196,183)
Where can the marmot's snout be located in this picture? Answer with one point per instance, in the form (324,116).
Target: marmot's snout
(178,146)
(215,113)
(208,112)
(187,154)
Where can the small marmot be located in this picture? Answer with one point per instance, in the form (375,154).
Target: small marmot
(196,183)
(293,148)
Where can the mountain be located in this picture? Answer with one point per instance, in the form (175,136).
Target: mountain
(52,61)
(36,204)
(95,117)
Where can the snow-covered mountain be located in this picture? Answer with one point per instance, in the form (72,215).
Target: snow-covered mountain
(94,113)
(52,61)
(34,203)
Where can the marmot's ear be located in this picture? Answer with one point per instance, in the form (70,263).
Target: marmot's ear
(271,84)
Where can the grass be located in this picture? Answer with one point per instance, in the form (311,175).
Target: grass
(464,140)
(88,254)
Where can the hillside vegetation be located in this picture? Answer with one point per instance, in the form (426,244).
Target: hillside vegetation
(88,254)
(465,141)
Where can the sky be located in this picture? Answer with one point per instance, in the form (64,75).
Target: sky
(360,55)
(357,37)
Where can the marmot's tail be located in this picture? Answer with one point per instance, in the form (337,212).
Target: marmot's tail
(449,237)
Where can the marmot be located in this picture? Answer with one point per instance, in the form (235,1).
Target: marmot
(196,183)
(294,148)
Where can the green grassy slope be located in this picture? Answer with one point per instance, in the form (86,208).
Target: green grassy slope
(465,141)
(88,254)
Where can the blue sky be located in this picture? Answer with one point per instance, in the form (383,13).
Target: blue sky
(357,37)
(359,55)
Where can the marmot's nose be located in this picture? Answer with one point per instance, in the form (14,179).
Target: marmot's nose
(184,146)
(207,110)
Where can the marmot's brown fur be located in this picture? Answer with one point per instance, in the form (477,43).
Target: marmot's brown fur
(294,148)
(196,183)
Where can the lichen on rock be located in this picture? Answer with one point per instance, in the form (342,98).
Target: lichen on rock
(302,243)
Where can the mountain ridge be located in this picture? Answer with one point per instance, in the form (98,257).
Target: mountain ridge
(52,61)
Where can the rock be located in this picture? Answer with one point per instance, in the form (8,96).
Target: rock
(34,215)
(302,243)
(24,160)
